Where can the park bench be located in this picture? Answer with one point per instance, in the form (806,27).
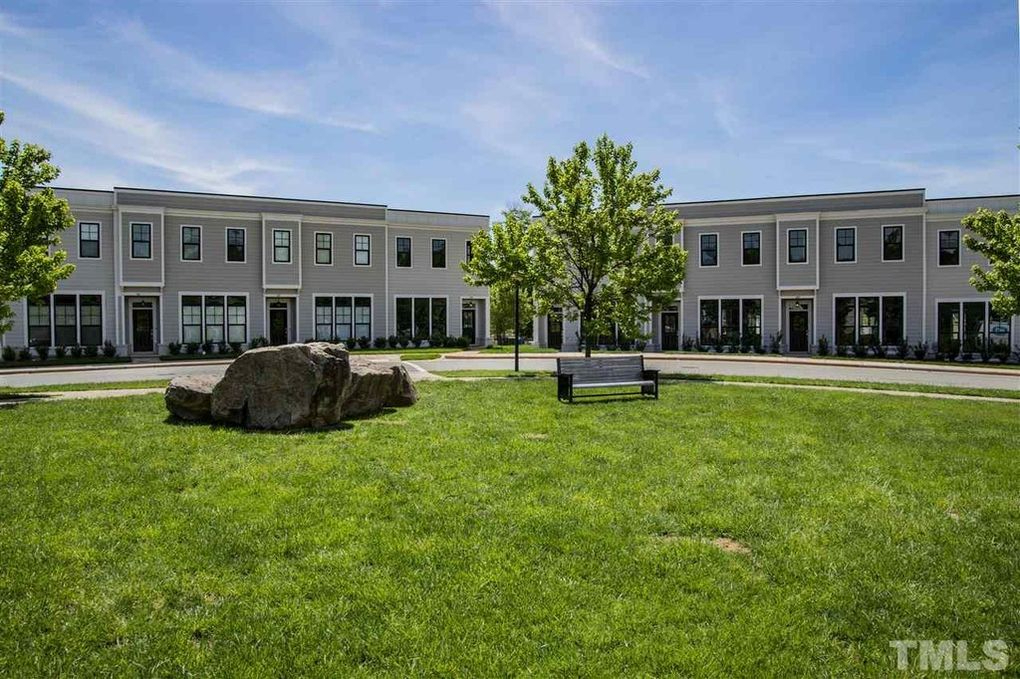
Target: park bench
(604,372)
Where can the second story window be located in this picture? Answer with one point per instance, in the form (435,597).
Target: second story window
(892,243)
(281,246)
(751,250)
(796,246)
(88,240)
(324,248)
(403,252)
(191,243)
(235,245)
(141,241)
(438,253)
(467,251)
(949,248)
(846,245)
(362,250)
(709,249)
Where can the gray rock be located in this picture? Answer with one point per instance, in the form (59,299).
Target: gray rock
(190,397)
(376,385)
(295,385)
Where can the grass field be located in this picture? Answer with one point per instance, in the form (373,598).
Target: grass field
(489,530)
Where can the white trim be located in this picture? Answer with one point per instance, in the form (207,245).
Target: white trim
(351,295)
(947,218)
(740,306)
(960,301)
(857,313)
(99,240)
(290,246)
(785,311)
(753,220)
(959,249)
(226,321)
(282,217)
(783,288)
(77,315)
(429,298)
(354,250)
(201,243)
(835,244)
(760,241)
(807,244)
(131,241)
(765,218)
(386,279)
(142,209)
(708,266)
(157,337)
(797,199)
(265,313)
(432,252)
(903,243)
(396,251)
(315,248)
(433,227)
(875,214)
(924,278)
(135,284)
(226,244)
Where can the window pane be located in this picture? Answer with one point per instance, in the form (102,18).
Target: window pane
(88,243)
(867,329)
(845,241)
(846,321)
(344,317)
(797,246)
(973,326)
(949,326)
(421,317)
(214,319)
(404,316)
(91,319)
(892,320)
(438,253)
(730,321)
(235,245)
(998,329)
(362,317)
(751,309)
(237,319)
(949,248)
(39,322)
(362,250)
(323,318)
(65,320)
(191,318)
(709,249)
(438,316)
(709,320)
(323,248)
(892,242)
(141,241)
(752,248)
(467,252)
(191,240)
(403,252)
(281,246)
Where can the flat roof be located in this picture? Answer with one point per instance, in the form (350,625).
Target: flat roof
(1001,195)
(797,196)
(241,195)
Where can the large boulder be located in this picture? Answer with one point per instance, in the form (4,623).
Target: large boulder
(190,397)
(376,385)
(296,385)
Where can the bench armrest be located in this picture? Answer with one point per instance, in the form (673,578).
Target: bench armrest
(650,374)
(564,386)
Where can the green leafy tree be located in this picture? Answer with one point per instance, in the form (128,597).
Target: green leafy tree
(31,221)
(608,252)
(502,258)
(997,239)
(502,302)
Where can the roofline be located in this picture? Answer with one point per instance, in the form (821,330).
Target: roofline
(801,196)
(437,212)
(74,188)
(245,197)
(1001,195)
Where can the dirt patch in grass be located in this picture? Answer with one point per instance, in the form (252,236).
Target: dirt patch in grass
(534,436)
(725,544)
(731,546)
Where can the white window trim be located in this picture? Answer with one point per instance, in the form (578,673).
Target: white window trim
(354,250)
(718,315)
(807,245)
(332,295)
(903,243)
(226,318)
(959,302)
(835,245)
(201,243)
(446,253)
(709,266)
(77,294)
(429,298)
(857,313)
(99,240)
(760,249)
(131,241)
(290,246)
(315,248)
(396,252)
(226,244)
(938,249)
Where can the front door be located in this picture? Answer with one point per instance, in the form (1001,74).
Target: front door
(798,331)
(670,329)
(278,313)
(141,331)
(467,325)
(554,329)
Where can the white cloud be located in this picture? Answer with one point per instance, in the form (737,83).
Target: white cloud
(504,114)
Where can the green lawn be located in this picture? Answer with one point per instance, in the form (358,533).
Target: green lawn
(7,392)
(525,349)
(490,530)
(522,374)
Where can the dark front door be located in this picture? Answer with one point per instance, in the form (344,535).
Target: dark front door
(278,325)
(798,331)
(554,329)
(670,329)
(467,325)
(141,330)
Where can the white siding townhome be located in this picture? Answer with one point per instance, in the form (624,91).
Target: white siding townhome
(155,267)
(856,268)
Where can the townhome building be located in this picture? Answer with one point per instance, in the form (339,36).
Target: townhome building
(156,267)
(877,267)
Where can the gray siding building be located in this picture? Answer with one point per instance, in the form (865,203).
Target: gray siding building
(155,267)
(854,268)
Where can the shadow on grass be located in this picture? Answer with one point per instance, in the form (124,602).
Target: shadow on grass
(222,426)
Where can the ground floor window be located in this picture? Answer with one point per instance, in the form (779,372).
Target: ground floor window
(343,318)
(39,323)
(730,321)
(421,317)
(869,320)
(970,327)
(214,318)
(75,319)
(90,318)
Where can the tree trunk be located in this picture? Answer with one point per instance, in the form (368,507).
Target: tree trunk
(517,328)
(585,324)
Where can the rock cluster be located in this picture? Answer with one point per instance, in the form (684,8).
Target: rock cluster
(292,386)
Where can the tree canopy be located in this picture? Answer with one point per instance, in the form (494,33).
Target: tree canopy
(607,252)
(997,238)
(31,221)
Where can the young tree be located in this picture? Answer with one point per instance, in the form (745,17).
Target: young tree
(999,243)
(502,302)
(607,252)
(502,257)
(31,220)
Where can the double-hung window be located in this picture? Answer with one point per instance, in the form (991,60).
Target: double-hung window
(949,248)
(731,321)
(438,253)
(869,320)
(324,248)
(344,318)
(141,240)
(750,248)
(892,243)
(362,249)
(39,322)
(709,243)
(846,244)
(88,240)
(467,251)
(65,320)
(237,319)
(796,246)
(191,243)
(281,246)
(214,318)
(421,317)
(235,245)
(191,319)
(403,252)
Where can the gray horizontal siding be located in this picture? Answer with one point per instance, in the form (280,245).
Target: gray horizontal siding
(873,201)
(250,204)
(141,270)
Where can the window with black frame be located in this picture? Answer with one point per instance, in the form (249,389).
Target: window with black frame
(235,245)
(796,246)
(141,241)
(846,245)
(438,253)
(39,322)
(846,321)
(403,252)
(751,250)
(88,240)
(709,315)
(709,245)
(324,248)
(949,248)
(65,320)
(362,250)
(892,243)
(90,317)
(281,246)
(191,243)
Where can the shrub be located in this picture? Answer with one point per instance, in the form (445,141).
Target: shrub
(986,353)
(61,352)
(687,343)
(450,342)
(463,342)
(379,343)
(903,349)
(258,342)
(920,350)
(879,350)
(9,354)
(235,347)
(92,351)
(759,349)
(364,343)
(701,347)
(776,343)
(43,352)
(191,348)
(860,350)
(351,344)
(393,341)
(221,347)
(76,351)
(435,340)
(1000,350)
(207,347)
(418,340)
(842,350)
(174,348)
(109,349)
(24,354)
(403,341)
(823,346)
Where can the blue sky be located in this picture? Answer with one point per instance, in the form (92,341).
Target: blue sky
(456,106)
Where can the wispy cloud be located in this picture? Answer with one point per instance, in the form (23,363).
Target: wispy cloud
(505,112)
